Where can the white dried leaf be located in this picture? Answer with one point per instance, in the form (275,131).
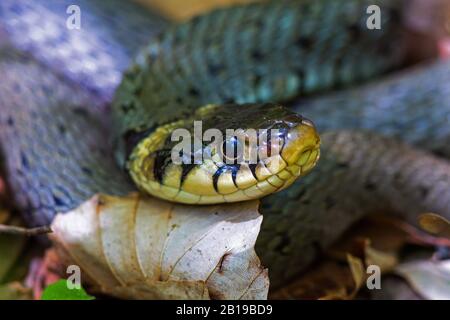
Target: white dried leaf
(144,248)
(430,279)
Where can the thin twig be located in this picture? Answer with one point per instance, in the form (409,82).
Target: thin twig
(5,229)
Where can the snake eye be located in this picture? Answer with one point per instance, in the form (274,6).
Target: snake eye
(231,150)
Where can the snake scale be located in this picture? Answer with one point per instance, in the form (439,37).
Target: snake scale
(57,84)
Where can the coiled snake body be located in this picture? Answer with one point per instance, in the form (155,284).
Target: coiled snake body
(54,130)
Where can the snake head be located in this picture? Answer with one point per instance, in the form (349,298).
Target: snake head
(225,153)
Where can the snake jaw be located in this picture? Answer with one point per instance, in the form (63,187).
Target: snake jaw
(301,152)
(300,140)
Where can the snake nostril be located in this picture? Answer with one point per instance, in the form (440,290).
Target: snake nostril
(307,122)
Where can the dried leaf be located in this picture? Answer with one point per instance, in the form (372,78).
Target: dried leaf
(430,279)
(357,269)
(377,232)
(4,215)
(325,280)
(387,261)
(358,275)
(145,248)
(181,10)
(435,224)
(333,280)
(329,280)
(14,291)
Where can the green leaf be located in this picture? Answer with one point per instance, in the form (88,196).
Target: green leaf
(60,291)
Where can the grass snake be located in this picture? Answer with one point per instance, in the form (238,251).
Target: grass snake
(58,86)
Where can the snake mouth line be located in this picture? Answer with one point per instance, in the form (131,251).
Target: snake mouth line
(272,184)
